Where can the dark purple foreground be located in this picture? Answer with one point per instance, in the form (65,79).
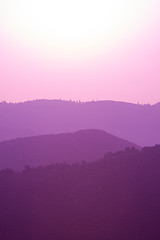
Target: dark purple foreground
(114,198)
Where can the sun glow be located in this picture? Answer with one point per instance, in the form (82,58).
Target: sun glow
(70,27)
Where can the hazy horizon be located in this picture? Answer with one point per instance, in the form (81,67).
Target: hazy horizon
(79,101)
(51,52)
(79,119)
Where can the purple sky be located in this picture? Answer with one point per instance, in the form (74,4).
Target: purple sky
(124,65)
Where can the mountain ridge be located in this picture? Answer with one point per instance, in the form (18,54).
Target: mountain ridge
(84,145)
(135,122)
(116,197)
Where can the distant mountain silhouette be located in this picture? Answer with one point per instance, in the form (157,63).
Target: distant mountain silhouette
(85,145)
(134,122)
(115,198)
(10,133)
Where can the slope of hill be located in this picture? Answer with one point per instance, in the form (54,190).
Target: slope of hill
(10,133)
(85,145)
(134,122)
(116,198)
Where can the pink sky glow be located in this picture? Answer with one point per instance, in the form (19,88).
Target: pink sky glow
(127,71)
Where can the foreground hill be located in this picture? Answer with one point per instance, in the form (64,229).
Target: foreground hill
(134,122)
(85,145)
(117,197)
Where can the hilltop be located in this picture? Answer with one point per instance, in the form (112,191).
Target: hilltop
(134,122)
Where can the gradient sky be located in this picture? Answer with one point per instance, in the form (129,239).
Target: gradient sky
(80,50)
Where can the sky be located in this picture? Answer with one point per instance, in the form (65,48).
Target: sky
(80,50)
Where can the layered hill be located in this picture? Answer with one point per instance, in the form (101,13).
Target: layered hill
(116,198)
(7,133)
(84,145)
(134,122)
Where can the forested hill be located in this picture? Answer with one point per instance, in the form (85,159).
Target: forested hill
(117,197)
(85,145)
(134,122)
